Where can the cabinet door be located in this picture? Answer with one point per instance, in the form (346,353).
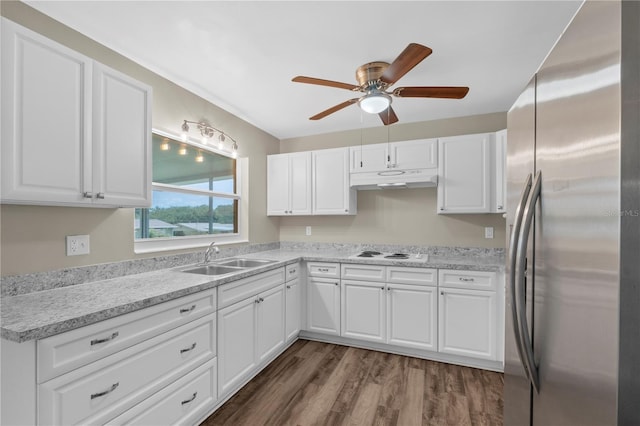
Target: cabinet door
(415,154)
(300,183)
(331,191)
(467,323)
(412,316)
(237,343)
(323,305)
(464,171)
(499,175)
(369,158)
(121,139)
(278,190)
(292,309)
(46,109)
(270,322)
(363,310)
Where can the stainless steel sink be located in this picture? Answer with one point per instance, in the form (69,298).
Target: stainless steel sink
(245,263)
(212,270)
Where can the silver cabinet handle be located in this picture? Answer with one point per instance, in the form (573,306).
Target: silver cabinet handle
(500,207)
(442,293)
(336,283)
(100,195)
(261,300)
(87,194)
(441,208)
(323,269)
(103,393)
(187,310)
(106,339)
(292,271)
(466,280)
(186,401)
(288,287)
(382,288)
(520,276)
(189,349)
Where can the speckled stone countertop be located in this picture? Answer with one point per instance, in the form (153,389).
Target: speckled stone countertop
(45,313)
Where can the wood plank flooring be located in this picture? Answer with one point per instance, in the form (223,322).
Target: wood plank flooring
(315,383)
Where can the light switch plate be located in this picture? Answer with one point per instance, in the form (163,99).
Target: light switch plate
(488,232)
(308,230)
(77,245)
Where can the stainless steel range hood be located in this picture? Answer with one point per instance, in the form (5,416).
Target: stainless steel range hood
(389,179)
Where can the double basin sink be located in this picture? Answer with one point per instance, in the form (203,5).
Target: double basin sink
(228,266)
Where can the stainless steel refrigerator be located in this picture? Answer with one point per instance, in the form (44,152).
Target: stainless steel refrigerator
(572,350)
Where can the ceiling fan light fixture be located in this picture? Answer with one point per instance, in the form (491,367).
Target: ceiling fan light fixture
(375,102)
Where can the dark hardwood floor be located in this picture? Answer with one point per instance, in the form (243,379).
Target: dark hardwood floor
(318,383)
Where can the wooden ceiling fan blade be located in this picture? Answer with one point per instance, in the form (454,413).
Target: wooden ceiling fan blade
(333,109)
(411,56)
(321,82)
(431,92)
(388,116)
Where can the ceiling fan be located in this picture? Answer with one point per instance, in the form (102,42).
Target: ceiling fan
(374,78)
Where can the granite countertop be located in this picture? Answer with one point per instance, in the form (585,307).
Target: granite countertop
(45,313)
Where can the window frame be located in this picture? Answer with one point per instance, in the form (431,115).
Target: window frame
(148,245)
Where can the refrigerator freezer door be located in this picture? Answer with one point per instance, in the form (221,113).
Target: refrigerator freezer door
(520,152)
(577,232)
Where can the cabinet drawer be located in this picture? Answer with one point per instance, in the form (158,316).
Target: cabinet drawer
(233,292)
(478,280)
(291,272)
(71,350)
(406,275)
(363,272)
(106,388)
(180,403)
(327,270)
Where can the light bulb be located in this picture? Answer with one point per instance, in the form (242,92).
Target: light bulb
(199,158)
(182,150)
(164,146)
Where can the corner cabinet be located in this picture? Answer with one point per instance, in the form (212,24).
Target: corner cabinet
(330,183)
(75,132)
(289,184)
(471,173)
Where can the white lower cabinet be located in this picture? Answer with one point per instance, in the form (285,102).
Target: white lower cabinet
(364,310)
(293,306)
(395,305)
(412,312)
(180,403)
(468,317)
(99,391)
(323,305)
(251,331)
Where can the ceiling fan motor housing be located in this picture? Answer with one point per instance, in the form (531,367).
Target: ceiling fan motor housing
(370,73)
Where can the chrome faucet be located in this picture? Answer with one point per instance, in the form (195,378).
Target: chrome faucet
(210,250)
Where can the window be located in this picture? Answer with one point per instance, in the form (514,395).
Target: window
(195,195)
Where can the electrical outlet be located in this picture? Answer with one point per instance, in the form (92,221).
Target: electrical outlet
(488,232)
(308,230)
(77,245)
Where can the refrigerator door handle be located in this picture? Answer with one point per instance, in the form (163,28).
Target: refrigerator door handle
(513,272)
(520,295)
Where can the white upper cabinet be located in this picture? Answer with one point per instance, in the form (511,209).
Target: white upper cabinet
(464,174)
(73,131)
(405,155)
(121,139)
(471,173)
(330,183)
(289,184)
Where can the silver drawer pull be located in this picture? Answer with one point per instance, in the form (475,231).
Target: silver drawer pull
(186,401)
(187,310)
(100,195)
(193,346)
(103,393)
(106,339)
(260,300)
(323,269)
(87,194)
(466,280)
(288,287)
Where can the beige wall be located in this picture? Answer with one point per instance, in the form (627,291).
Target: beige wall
(32,237)
(398,216)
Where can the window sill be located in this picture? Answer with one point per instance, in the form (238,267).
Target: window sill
(170,244)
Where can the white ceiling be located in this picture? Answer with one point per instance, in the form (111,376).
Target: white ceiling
(242,55)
